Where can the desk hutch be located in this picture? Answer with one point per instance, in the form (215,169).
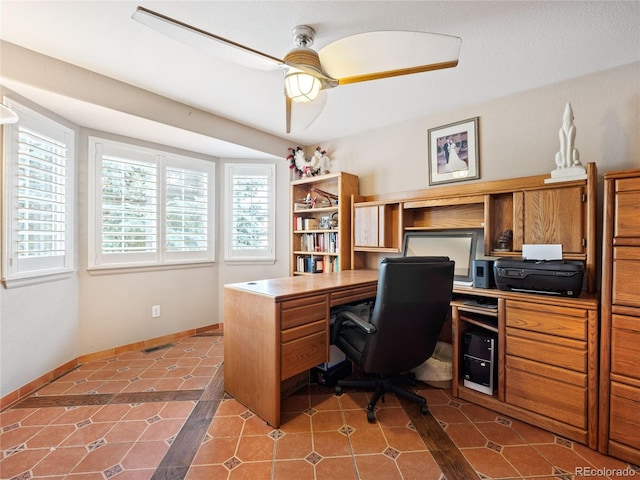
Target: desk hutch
(547,345)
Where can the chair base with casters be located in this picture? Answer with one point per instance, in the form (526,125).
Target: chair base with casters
(382,385)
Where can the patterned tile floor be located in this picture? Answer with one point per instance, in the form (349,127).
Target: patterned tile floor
(164,415)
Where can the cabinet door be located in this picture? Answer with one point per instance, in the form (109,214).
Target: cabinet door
(367,226)
(556,216)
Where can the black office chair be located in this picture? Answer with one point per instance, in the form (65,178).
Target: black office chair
(410,309)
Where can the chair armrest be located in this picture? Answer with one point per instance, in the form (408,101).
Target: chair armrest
(352,318)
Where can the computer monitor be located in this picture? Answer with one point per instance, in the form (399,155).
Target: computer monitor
(458,245)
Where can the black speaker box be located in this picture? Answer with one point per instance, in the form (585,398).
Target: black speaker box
(483,274)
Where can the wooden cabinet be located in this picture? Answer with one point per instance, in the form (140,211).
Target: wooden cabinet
(547,356)
(321,223)
(546,360)
(377,226)
(620,317)
(556,215)
(550,366)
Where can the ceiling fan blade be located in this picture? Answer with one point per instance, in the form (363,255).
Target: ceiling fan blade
(300,116)
(214,45)
(288,113)
(383,54)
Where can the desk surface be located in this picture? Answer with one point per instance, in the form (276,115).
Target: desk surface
(283,288)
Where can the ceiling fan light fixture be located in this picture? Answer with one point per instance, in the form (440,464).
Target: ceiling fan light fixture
(302,87)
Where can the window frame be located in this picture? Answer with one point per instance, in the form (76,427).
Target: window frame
(160,258)
(15,272)
(255,256)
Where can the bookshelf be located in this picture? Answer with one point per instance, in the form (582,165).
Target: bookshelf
(321,223)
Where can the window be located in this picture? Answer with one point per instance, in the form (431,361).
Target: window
(250,212)
(38,199)
(150,207)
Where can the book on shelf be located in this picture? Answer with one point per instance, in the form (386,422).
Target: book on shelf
(326,242)
(315,264)
(310,224)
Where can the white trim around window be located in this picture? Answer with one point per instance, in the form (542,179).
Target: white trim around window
(250,191)
(148,208)
(38,201)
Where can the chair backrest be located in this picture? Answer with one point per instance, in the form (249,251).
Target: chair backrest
(412,304)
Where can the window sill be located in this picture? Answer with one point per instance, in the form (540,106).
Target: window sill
(120,269)
(26,280)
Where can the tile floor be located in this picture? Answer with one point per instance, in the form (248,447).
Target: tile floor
(164,415)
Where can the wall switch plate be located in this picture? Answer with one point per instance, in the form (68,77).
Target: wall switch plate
(155,311)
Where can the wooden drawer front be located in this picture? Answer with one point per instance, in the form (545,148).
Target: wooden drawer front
(549,319)
(625,338)
(627,210)
(291,334)
(559,352)
(353,295)
(549,371)
(624,421)
(301,311)
(303,354)
(549,397)
(626,287)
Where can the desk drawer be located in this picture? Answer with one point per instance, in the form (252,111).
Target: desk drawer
(559,352)
(302,311)
(302,354)
(626,288)
(549,319)
(291,334)
(623,414)
(546,396)
(353,295)
(625,338)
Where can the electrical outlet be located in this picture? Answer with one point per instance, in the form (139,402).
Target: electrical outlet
(155,311)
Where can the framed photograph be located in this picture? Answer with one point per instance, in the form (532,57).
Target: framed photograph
(453,152)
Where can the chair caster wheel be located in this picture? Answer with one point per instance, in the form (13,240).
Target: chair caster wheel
(424,410)
(371,417)
(338,390)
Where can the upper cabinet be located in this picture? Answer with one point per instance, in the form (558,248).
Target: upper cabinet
(377,226)
(321,223)
(533,211)
(555,215)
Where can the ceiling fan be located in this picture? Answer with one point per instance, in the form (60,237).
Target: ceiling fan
(309,74)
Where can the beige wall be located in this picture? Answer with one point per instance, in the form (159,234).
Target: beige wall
(518,134)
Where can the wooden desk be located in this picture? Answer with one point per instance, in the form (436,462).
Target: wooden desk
(276,329)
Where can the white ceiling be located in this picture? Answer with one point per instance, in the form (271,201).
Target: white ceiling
(507,47)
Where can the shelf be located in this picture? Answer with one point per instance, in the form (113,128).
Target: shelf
(319,230)
(487,325)
(302,252)
(316,209)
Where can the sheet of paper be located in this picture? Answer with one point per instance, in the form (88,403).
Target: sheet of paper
(542,251)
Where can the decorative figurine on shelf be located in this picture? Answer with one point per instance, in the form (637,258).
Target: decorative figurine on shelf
(568,157)
(304,167)
(504,241)
(323,160)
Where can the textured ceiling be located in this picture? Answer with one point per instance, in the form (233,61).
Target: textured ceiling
(507,47)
